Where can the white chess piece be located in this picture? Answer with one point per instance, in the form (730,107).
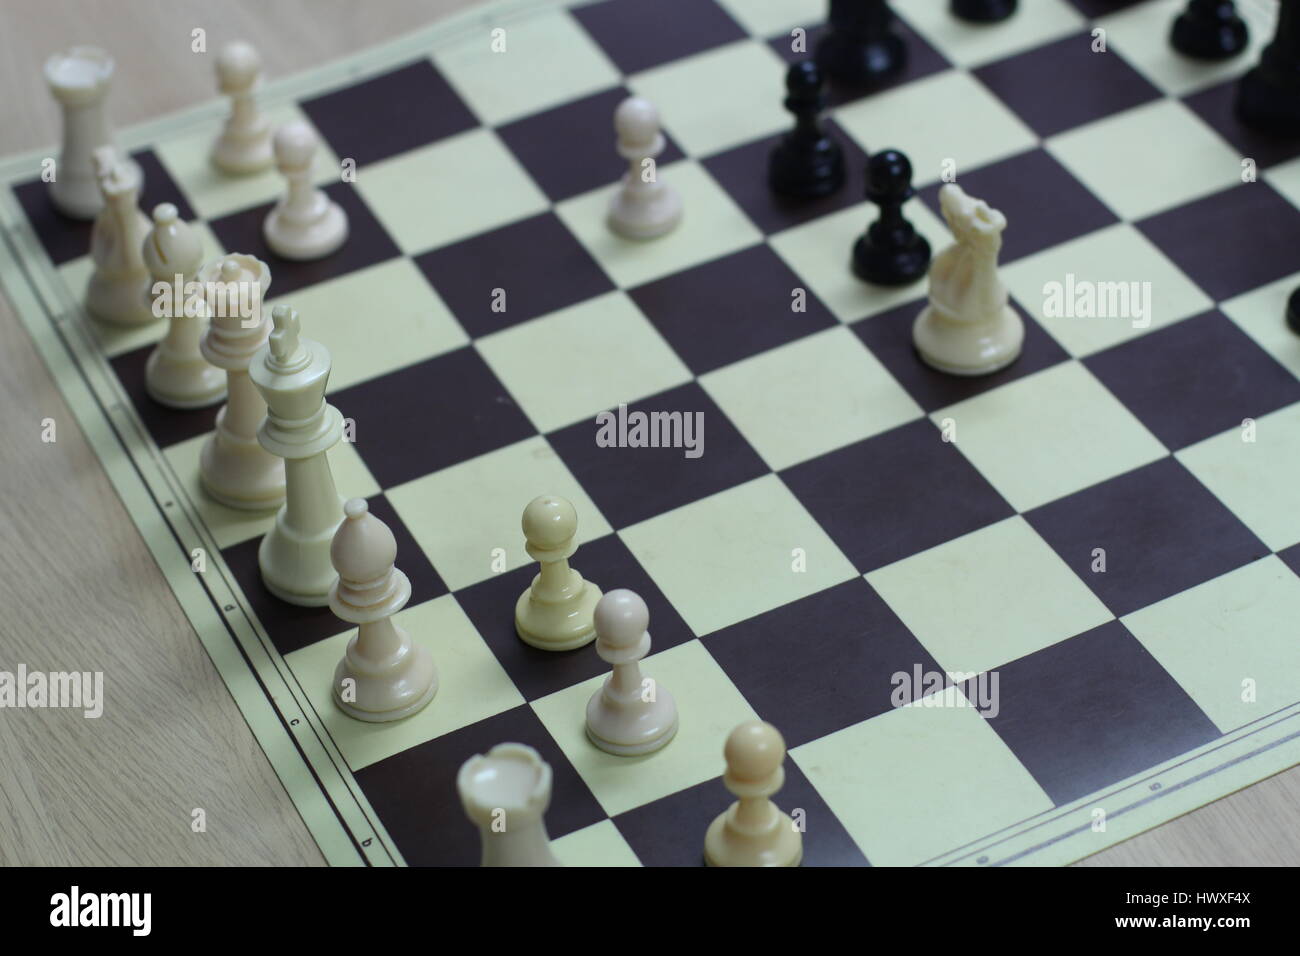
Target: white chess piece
(643,207)
(176,374)
(968,328)
(118,289)
(753,831)
(306,223)
(627,717)
(505,794)
(292,373)
(80,79)
(233,468)
(555,613)
(244,145)
(382,675)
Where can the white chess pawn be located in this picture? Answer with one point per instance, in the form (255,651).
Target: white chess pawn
(79,80)
(306,223)
(753,831)
(382,675)
(244,145)
(968,328)
(626,717)
(505,794)
(118,289)
(176,373)
(643,207)
(555,613)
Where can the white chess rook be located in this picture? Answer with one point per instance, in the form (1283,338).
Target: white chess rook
(555,612)
(292,373)
(306,223)
(234,469)
(176,374)
(643,207)
(968,328)
(753,831)
(505,794)
(382,675)
(244,145)
(80,79)
(626,717)
(118,289)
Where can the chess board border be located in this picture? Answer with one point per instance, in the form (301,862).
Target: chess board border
(277,708)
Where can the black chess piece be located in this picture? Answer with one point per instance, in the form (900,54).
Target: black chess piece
(1293,311)
(806,163)
(1209,30)
(983,11)
(891,252)
(861,49)
(1268,97)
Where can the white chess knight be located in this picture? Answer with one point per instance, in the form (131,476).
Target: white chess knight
(968,328)
(643,207)
(627,717)
(505,794)
(118,289)
(306,223)
(244,145)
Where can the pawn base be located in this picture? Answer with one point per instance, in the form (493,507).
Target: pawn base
(801,172)
(645,217)
(243,154)
(303,242)
(891,267)
(1221,41)
(968,348)
(557,627)
(727,845)
(632,729)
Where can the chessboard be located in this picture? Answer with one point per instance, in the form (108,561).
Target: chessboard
(1102,534)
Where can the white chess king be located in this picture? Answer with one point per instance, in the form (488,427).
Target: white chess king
(968,328)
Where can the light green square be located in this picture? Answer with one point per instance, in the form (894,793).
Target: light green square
(581,360)
(1049,434)
(597,845)
(989,597)
(1118,254)
(708,707)
(712,226)
(547,59)
(1285,178)
(1259,314)
(1140,34)
(230,526)
(918,781)
(421,199)
(1256,479)
(213,193)
(376,320)
(1148,159)
(721,98)
(763,18)
(1227,636)
(804,399)
(945,119)
(820,252)
(472,685)
(968,44)
(462,515)
(736,554)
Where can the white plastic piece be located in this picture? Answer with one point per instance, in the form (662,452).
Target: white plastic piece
(644,207)
(627,716)
(306,223)
(753,831)
(382,675)
(968,328)
(505,794)
(176,374)
(244,145)
(555,613)
(80,79)
(118,288)
(291,374)
(233,468)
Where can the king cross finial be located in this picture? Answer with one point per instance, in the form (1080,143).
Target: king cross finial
(284,340)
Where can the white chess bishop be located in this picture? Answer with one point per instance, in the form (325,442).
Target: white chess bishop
(968,328)
(119,286)
(383,675)
(555,612)
(628,716)
(244,145)
(306,223)
(644,206)
(505,794)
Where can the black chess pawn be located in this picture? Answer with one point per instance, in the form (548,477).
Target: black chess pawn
(891,252)
(806,163)
(1268,97)
(1209,30)
(983,11)
(861,48)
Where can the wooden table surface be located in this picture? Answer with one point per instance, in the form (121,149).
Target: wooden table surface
(81,592)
